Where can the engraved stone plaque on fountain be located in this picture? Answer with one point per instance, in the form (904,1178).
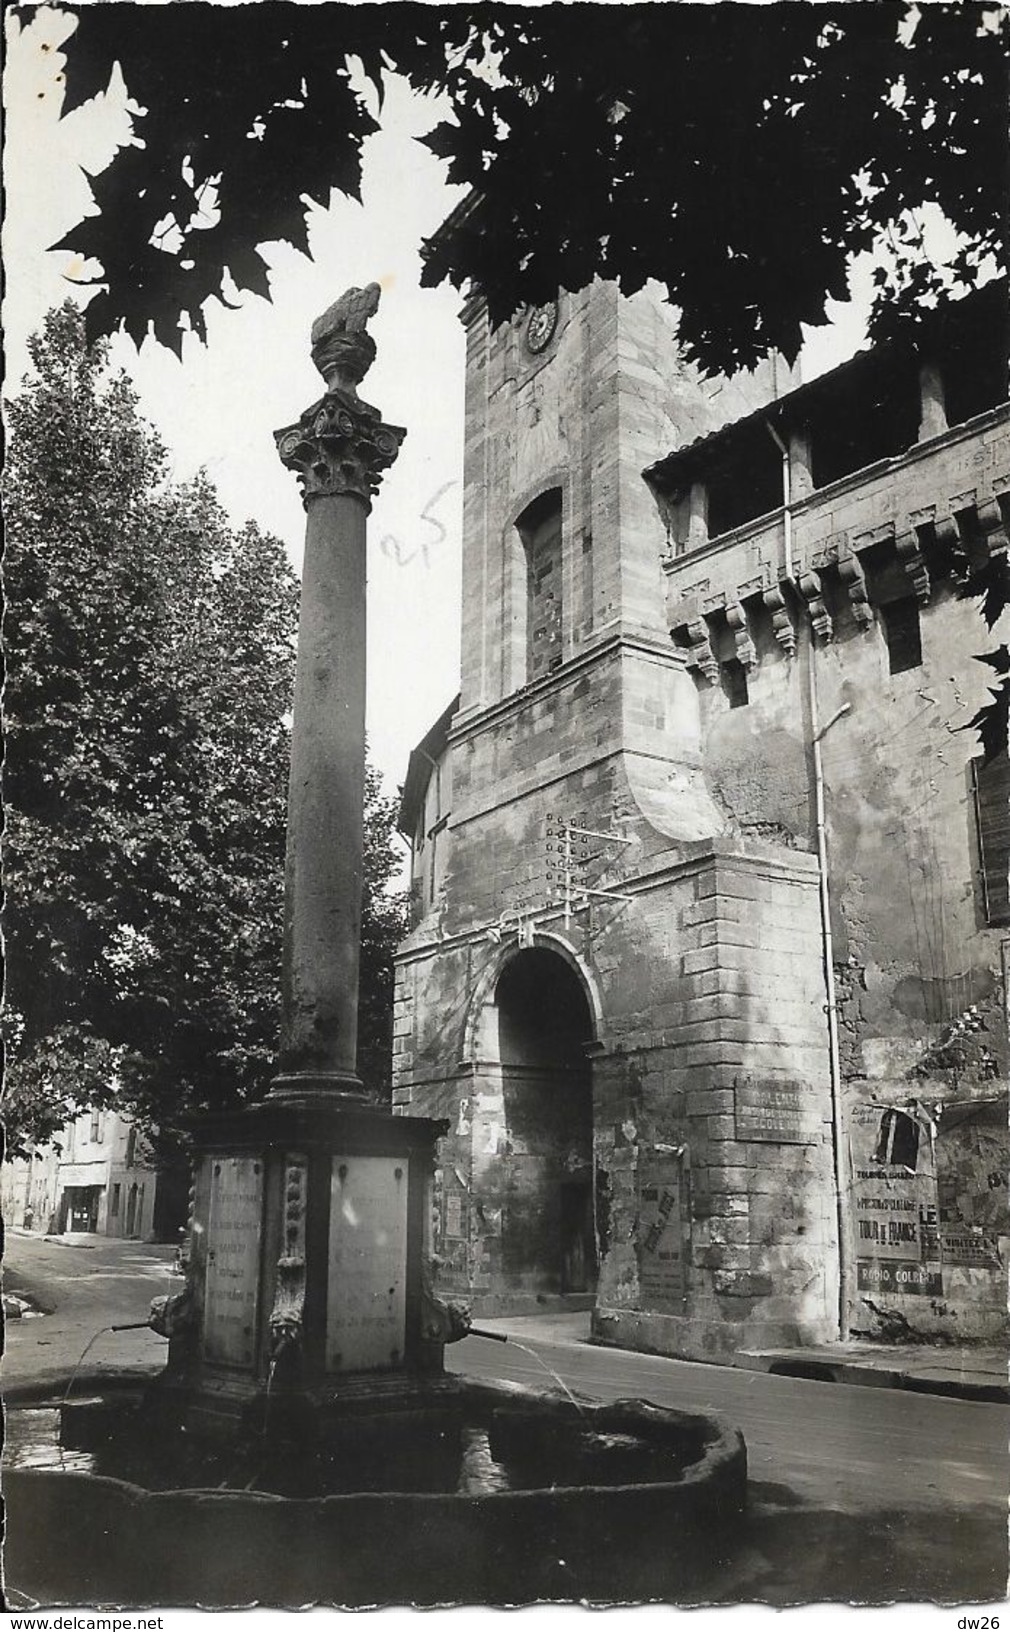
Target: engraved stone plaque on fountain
(366,1302)
(233,1260)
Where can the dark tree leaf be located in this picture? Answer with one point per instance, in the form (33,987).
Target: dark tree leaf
(738,154)
(992,721)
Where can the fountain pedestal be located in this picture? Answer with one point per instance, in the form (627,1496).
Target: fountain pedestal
(309,1222)
(308,1257)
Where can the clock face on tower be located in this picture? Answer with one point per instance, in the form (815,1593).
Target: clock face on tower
(540,326)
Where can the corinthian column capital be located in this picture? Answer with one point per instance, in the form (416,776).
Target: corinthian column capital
(339,445)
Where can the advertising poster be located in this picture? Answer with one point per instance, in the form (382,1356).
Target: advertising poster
(894,1203)
(661,1240)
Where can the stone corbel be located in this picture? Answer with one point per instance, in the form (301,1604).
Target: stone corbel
(909,548)
(699,648)
(992,525)
(736,617)
(945,531)
(979,528)
(782,624)
(850,571)
(812,591)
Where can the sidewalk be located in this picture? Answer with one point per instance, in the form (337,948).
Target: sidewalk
(960,1371)
(963,1372)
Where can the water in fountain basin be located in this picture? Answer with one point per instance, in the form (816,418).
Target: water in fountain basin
(35,1443)
(479,1473)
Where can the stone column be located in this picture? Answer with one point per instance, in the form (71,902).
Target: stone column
(697,516)
(339,449)
(932,408)
(801,480)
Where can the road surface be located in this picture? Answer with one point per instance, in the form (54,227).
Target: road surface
(857,1494)
(830,1442)
(89,1282)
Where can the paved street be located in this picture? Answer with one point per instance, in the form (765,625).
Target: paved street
(857,1494)
(830,1442)
(89,1282)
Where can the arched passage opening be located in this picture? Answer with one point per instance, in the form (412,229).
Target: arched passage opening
(544,1024)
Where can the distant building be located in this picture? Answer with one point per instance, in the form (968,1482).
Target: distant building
(97,1177)
(730,1097)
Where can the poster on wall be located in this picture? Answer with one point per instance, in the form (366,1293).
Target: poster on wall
(894,1202)
(451,1221)
(662,1233)
(972,1164)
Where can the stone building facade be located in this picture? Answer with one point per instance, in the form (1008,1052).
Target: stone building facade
(97,1178)
(708,966)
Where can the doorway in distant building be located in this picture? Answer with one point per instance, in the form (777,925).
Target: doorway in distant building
(544,1172)
(80,1208)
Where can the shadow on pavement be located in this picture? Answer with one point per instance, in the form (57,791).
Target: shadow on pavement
(791,1553)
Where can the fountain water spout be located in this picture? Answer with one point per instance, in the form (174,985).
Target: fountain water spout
(173,1313)
(443,1320)
(286,1332)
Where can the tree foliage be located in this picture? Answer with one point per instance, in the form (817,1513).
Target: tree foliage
(738,154)
(150,660)
(383,926)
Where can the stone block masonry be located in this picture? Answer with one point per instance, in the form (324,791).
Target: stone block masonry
(590,1065)
(750,1272)
(745,1248)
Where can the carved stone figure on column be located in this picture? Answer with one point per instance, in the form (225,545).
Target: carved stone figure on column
(342,349)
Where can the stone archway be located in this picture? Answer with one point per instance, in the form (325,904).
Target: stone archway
(538,1188)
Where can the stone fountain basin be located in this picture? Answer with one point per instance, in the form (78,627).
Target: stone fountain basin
(550,1500)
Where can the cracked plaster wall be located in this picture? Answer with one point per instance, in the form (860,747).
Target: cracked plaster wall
(914,955)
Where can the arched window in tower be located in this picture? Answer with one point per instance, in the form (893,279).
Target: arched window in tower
(539,527)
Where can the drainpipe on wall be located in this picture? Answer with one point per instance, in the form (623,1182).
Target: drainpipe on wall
(787,501)
(817,732)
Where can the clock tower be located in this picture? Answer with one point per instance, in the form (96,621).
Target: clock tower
(568,851)
(563,543)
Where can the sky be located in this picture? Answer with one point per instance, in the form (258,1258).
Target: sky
(219,406)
